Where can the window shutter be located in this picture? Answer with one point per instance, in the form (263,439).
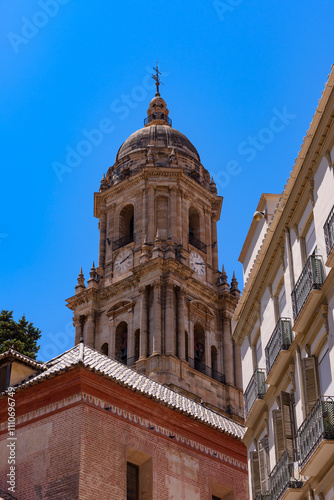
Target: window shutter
(310,382)
(264,464)
(287,424)
(278,433)
(255,473)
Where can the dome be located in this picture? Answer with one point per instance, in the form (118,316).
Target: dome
(160,136)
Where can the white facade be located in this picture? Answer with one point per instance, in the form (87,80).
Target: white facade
(285,325)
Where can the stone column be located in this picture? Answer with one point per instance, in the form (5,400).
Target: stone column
(169,321)
(178,196)
(151,215)
(89,338)
(156,319)
(172,229)
(102,248)
(131,339)
(228,351)
(143,324)
(208,348)
(112,338)
(181,326)
(237,366)
(191,338)
(144,219)
(77,323)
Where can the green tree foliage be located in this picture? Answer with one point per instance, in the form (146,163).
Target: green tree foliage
(21,335)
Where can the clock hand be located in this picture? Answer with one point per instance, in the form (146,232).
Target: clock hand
(200,263)
(124,259)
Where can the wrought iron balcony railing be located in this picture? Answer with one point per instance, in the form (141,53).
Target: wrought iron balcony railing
(311,278)
(207,370)
(329,232)
(282,477)
(318,425)
(280,340)
(197,243)
(123,241)
(157,116)
(256,389)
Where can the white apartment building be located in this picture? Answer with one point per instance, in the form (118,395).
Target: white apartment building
(284,323)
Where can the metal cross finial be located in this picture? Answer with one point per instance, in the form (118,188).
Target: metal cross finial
(157,80)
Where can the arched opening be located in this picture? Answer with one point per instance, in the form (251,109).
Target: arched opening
(137,340)
(126,218)
(161,211)
(214,362)
(199,348)
(105,348)
(121,346)
(194,225)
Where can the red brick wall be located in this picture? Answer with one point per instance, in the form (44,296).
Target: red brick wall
(78,449)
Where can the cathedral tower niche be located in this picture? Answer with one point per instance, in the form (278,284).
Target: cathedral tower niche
(157,301)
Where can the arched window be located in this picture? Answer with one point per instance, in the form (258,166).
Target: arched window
(137,340)
(121,346)
(105,348)
(126,218)
(199,347)
(194,225)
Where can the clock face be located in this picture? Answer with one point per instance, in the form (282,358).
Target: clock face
(197,264)
(123,261)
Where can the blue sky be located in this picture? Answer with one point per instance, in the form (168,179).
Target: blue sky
(242,79)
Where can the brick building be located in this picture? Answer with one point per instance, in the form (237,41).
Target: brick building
(148,404)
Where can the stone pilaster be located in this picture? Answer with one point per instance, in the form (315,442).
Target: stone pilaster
(89,337)
(228,351)
(143,324)
(169,321)
(156,348)
(181,325)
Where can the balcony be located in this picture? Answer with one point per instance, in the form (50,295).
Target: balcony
(316,437)
(255,393)
(277,349)
(283,484)
(307,291)
(129,238)
(197,243)
(206,370)
(329,238)
(157,116)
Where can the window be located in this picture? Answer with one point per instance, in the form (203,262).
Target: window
(199,347)
(104,349)
(126,222)
(285,426)
(311,383)
(139,475)
(132,482)
(121,347)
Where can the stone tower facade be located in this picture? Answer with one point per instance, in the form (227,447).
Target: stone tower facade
(157,301)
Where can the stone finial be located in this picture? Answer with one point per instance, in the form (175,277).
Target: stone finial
(81,283)
(93,280)
(104,183)
(234,286)
(213,187)
(223,285)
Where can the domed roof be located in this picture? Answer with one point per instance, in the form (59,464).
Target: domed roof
(161,136)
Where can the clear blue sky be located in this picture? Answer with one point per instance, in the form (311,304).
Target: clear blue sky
(229,68)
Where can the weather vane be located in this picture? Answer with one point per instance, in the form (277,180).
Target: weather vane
(157,80)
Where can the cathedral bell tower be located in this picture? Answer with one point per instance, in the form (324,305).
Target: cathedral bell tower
(157,301)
